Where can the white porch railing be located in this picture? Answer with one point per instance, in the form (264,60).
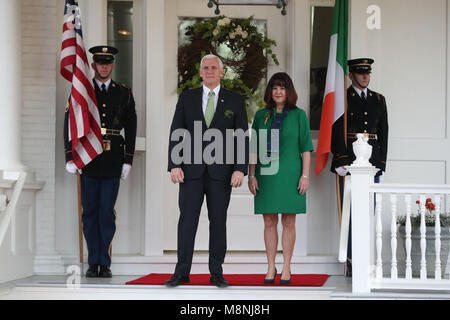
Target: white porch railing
(8,213)
(367,232)
(396,194)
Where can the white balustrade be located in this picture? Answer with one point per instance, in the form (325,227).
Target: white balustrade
(363,210)
(406,195)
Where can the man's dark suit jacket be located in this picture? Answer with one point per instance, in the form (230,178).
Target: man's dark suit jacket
(230,113)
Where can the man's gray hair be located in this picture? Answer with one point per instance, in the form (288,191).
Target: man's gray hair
(211,56)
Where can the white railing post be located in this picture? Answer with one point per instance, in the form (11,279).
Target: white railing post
(362,173)
(379,237)
(423,241)
(408,229)
(437,232)
(362,178)
(394,270)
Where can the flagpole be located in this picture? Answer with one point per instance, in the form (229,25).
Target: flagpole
(345,109)
(80,221)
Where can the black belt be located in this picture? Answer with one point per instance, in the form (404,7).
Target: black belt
(372,136)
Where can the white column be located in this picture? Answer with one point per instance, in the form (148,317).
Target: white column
(298,69)
(156,171)
(94,15)
(362,179)
(10,89)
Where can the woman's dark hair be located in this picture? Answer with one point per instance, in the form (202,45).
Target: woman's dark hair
(281,79)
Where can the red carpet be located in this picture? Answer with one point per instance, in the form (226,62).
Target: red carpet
(297,280)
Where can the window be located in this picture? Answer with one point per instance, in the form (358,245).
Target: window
(120,35)
(321,24)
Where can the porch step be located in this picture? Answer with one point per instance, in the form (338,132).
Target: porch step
(235,263)
(122,292)
(56,288)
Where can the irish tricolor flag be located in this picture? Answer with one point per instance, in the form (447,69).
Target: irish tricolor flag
(334,102)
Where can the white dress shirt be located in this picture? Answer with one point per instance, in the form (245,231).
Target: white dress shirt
(99,83)
(358,91)
(205,97)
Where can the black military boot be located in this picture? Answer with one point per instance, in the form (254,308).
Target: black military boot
(92,272)
(105,272)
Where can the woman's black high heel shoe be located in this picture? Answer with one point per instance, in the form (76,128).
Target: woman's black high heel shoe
(271,281)
(288,281)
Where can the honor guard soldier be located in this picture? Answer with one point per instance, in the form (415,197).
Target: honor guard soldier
(100,178)
(366,113)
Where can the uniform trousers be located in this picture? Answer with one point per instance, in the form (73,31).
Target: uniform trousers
(191,195)
(98,197)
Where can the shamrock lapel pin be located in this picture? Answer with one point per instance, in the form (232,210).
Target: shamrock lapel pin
(228,113)
(266,117)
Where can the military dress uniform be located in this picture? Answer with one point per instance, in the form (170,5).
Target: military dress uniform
(100,178)
(367,114)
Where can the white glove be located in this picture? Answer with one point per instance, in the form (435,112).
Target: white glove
(381,177)
(342,171)
(71,167)
(125,171)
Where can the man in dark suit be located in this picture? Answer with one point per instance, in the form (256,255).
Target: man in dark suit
(212,110)
(100,178)
(366,113)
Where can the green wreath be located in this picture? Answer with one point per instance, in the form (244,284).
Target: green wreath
(245,61)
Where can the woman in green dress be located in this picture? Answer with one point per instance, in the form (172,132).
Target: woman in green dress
(279,168)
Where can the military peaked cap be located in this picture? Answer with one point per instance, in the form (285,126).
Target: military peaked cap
(361,65)
(103,54)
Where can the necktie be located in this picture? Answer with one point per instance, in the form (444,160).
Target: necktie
(103,88)
(363,96)
(209,113)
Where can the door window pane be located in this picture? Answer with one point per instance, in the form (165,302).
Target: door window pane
(321,24)
(120,35)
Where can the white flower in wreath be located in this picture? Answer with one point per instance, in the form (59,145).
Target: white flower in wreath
(244,34)
(223,22)
(232,35)
(238,29)
(216,32)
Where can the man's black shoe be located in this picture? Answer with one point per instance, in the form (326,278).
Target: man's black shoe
(348,270)
(92,271)
(105,272)
(218,280)
(176,280)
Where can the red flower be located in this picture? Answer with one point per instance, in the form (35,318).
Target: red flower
(418,202)
(428,200)
(430,206)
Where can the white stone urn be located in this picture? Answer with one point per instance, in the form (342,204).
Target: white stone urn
(362,150)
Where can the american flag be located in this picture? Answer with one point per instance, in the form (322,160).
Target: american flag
(84,118)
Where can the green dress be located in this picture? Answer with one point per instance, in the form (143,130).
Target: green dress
(278,179)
